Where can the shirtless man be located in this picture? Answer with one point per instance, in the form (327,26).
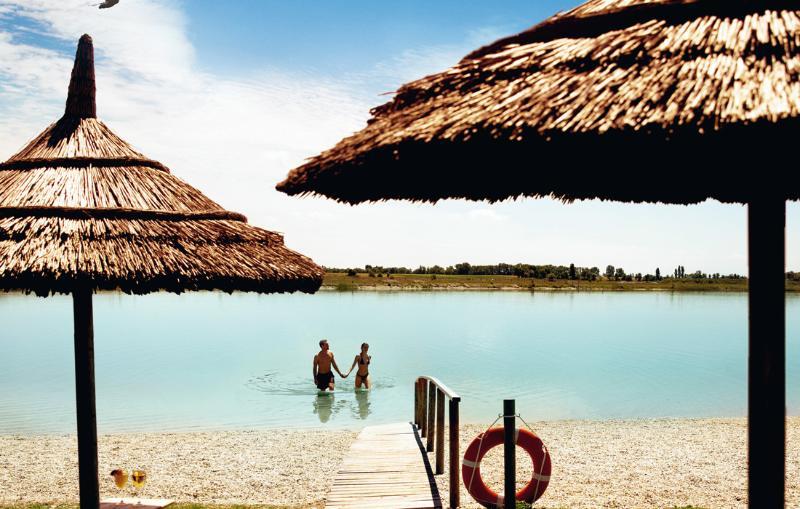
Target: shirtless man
(323,378)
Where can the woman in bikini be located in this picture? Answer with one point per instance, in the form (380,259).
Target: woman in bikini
(362,359)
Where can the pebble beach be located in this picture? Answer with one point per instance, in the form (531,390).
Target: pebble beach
(662,463)
(615,464)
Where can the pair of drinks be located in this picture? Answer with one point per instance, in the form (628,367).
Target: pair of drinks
(138,477)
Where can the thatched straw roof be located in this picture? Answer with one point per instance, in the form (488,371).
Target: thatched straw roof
(80,207)
(629,100)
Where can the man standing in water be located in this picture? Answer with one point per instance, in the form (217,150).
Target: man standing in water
(323,377)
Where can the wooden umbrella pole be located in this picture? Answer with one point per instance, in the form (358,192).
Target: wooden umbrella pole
(85,400)
(766,440)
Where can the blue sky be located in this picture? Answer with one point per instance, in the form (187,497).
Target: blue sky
(232,95)
(345,36)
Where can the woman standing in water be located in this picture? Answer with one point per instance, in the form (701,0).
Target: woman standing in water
(362,360)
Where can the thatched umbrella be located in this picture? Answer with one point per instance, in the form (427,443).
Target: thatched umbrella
(673,101)
(81,210)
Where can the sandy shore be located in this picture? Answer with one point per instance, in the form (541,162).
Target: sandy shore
(625,464)
(281,467)
(639,464)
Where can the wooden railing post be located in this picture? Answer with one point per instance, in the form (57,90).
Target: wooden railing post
(423,405)
(455,484)
(431,415)
(439,431)
(424,409)
(416,402)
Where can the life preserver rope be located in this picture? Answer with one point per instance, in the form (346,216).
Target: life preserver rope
(477,449)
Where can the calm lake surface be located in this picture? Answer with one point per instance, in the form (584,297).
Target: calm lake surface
(207,361)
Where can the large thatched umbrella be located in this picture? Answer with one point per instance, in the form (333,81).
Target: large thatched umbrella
(80,210)
(673,101)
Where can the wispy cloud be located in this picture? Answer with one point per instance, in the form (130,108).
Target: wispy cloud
(219,133)
(234,137)
(146,38)
(487,215)
(418,62)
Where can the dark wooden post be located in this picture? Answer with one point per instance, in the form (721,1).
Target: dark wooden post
(509,455)
(420,405)
(85,401)
(416,402)
(424,409)
(439,431)
(766,402)
(431,415)
(455,484)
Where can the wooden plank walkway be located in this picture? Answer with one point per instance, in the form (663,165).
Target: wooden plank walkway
(386,468)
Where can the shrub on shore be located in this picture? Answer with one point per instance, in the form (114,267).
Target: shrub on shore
(346,287)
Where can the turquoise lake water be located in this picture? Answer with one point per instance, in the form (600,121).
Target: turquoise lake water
(208,361)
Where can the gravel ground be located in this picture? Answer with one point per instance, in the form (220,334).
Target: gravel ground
(619,464)
(638,464)
(261,467)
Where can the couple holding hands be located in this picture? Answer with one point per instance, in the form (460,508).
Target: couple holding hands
(323,361)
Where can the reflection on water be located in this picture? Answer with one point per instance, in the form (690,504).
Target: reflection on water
(292,385)
(362,397)
(325,405)
(205,361)
(331,403)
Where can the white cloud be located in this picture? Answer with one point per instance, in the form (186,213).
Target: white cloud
(232,138)
(487,215)
(146,38)
(415,63)
(235,137)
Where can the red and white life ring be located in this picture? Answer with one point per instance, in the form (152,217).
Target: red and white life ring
(471,466)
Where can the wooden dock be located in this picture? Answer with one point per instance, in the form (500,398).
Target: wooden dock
(386,468)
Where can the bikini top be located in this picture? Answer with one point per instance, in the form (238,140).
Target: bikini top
(361,359)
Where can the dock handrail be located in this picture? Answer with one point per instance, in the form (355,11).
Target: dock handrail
(429,394)
(451,394)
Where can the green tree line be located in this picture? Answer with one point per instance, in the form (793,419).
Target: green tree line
(552,272)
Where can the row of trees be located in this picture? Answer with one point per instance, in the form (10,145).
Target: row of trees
(552,272)
(522,270)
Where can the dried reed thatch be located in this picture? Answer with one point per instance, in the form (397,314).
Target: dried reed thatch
(79,208)
(629,100)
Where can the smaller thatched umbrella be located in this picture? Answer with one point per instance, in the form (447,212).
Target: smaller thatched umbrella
(80,211)
(672,101)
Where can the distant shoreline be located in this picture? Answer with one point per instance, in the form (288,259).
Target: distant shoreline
(339,281)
